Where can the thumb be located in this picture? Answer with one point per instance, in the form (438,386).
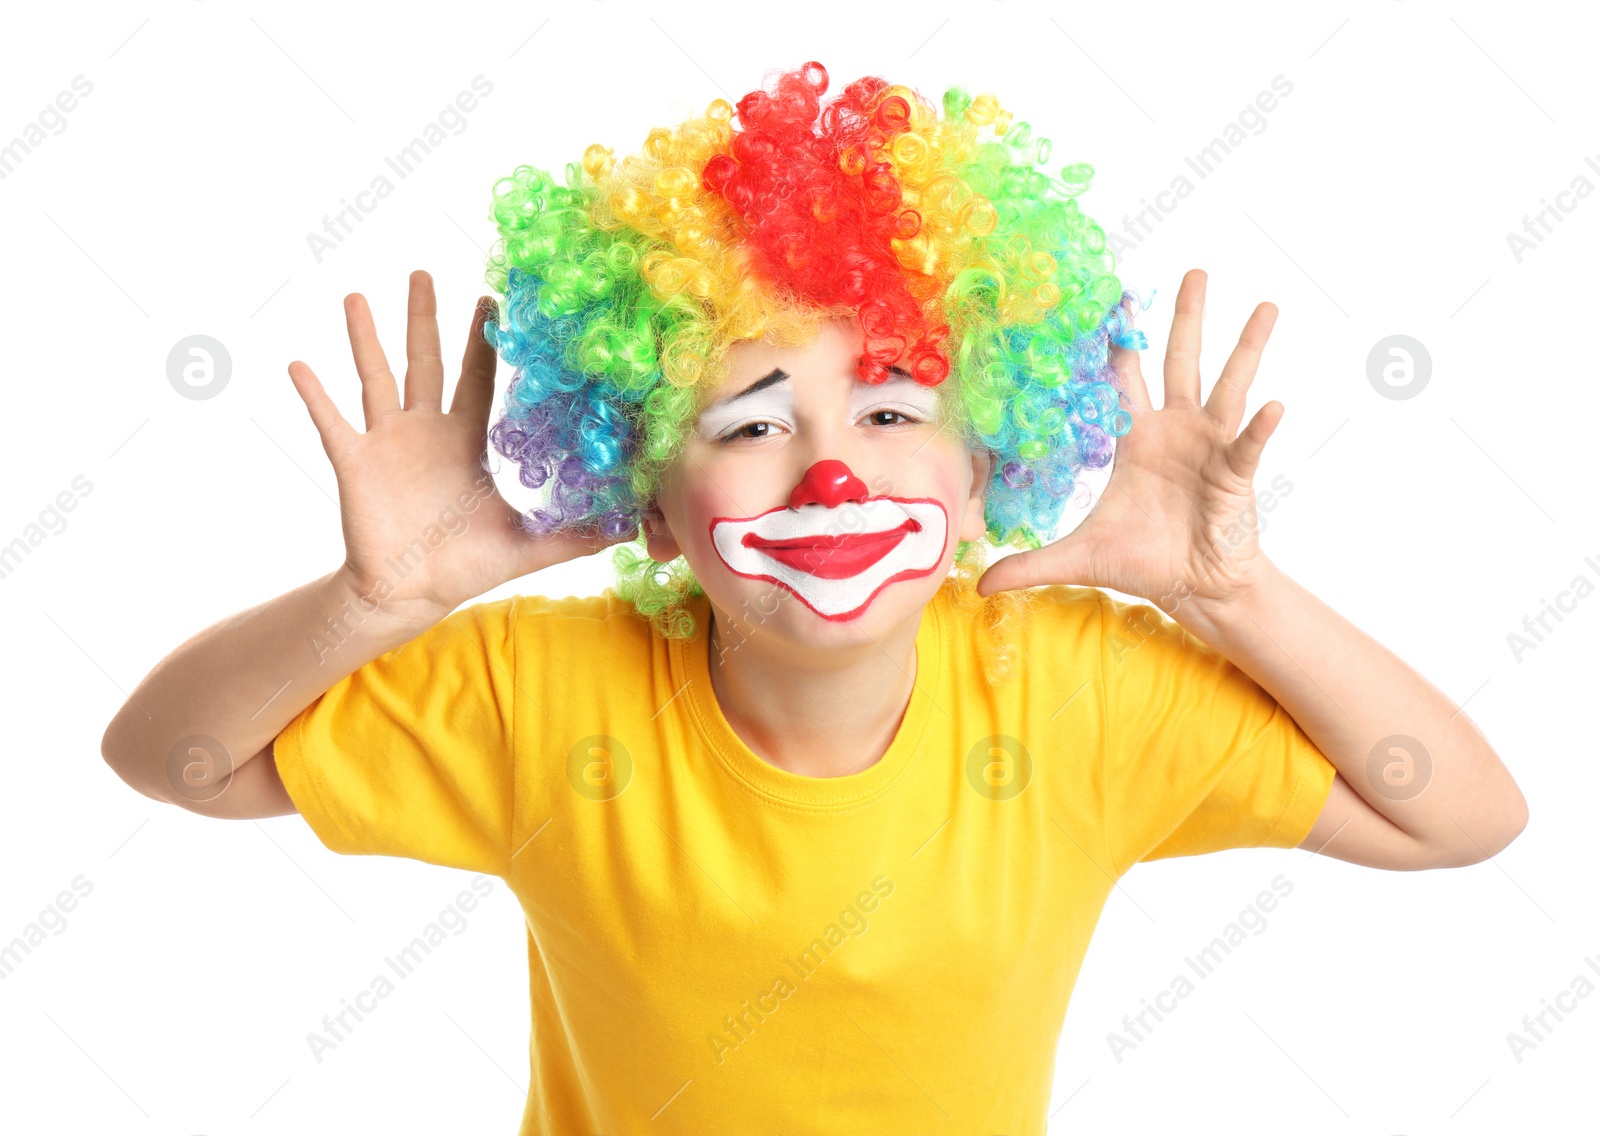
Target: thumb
(1064,562)
(520,551)
(558,548)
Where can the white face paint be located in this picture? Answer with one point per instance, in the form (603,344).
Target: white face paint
(836,560)
(773,403)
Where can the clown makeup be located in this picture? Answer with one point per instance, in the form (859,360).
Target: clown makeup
(803,481)
(773,396)
(839,548)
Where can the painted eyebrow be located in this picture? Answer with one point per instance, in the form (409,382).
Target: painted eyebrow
(773,378)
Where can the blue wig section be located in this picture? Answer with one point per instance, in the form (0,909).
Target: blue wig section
(563,426)
(1062,416)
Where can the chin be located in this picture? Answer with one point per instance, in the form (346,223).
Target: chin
(751,608)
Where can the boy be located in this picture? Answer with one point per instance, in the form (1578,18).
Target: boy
(810,825)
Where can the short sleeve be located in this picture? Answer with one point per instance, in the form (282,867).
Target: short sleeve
(412,754)
(1198,756)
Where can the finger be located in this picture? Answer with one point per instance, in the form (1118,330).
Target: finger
(534,554)
(379,395)
(1130,374)
(424,364)
(1058,563)
(1244,452)
(541,553)
(1130,378)
(337,435)
(1004,575)
(475,387)
(1182,367)
(1227,400)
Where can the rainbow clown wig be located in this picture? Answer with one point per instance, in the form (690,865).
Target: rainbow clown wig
(934,228)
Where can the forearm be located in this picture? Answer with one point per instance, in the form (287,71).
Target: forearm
(218,700)
(1350,693)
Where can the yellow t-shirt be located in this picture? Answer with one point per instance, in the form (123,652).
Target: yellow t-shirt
(715,943)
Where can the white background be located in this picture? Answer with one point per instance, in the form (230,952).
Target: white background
(1376,201)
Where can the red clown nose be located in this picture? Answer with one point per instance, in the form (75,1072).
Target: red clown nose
(828,482)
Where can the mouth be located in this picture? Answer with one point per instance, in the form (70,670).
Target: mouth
(833,556)
(833,561)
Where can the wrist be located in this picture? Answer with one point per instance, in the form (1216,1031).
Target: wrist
(372,606)
(1207,616)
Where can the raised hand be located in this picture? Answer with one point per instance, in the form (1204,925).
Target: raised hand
(1177,516)
(425,529)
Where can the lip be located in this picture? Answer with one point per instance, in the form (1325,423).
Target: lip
(832,563)
(834,557)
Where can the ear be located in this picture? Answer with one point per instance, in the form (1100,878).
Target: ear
(973,525)
(659,541)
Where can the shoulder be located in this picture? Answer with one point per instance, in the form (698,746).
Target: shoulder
(1084,628)
(1101,615)
(1043,633)
(1055,609)
(1069,600)
(1041,612)
(583,661)
(606,618)
(605,606)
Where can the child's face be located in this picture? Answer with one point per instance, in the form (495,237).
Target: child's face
(816,505)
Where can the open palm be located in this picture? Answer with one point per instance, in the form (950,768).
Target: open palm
(425,528)
(1177,518)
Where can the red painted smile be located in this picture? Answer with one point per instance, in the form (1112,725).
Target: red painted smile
(833,557)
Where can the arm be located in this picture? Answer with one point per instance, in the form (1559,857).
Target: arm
(1178,519)
(1434,796)
(413,499)
(238,683)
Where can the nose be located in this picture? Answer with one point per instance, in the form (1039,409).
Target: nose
(828,482)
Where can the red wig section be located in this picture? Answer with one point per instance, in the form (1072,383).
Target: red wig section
(818,206)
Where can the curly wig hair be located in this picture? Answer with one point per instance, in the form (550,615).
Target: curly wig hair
(935,228)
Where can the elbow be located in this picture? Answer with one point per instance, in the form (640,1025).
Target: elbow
(1515,819)
(1495,836)
(114,752)
(109,749)
(1510,819)
(1501,816)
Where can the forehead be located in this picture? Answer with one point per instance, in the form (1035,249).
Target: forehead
(831,355)
(836,345)
(751,388)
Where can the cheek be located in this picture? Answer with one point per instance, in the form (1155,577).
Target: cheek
(705,504)
(745,485)
(703,501)
(948,475)
(952,484)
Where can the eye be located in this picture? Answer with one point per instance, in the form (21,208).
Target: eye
(742,432)
(910,419)
(739,432)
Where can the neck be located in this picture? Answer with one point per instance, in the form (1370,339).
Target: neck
(819,712)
